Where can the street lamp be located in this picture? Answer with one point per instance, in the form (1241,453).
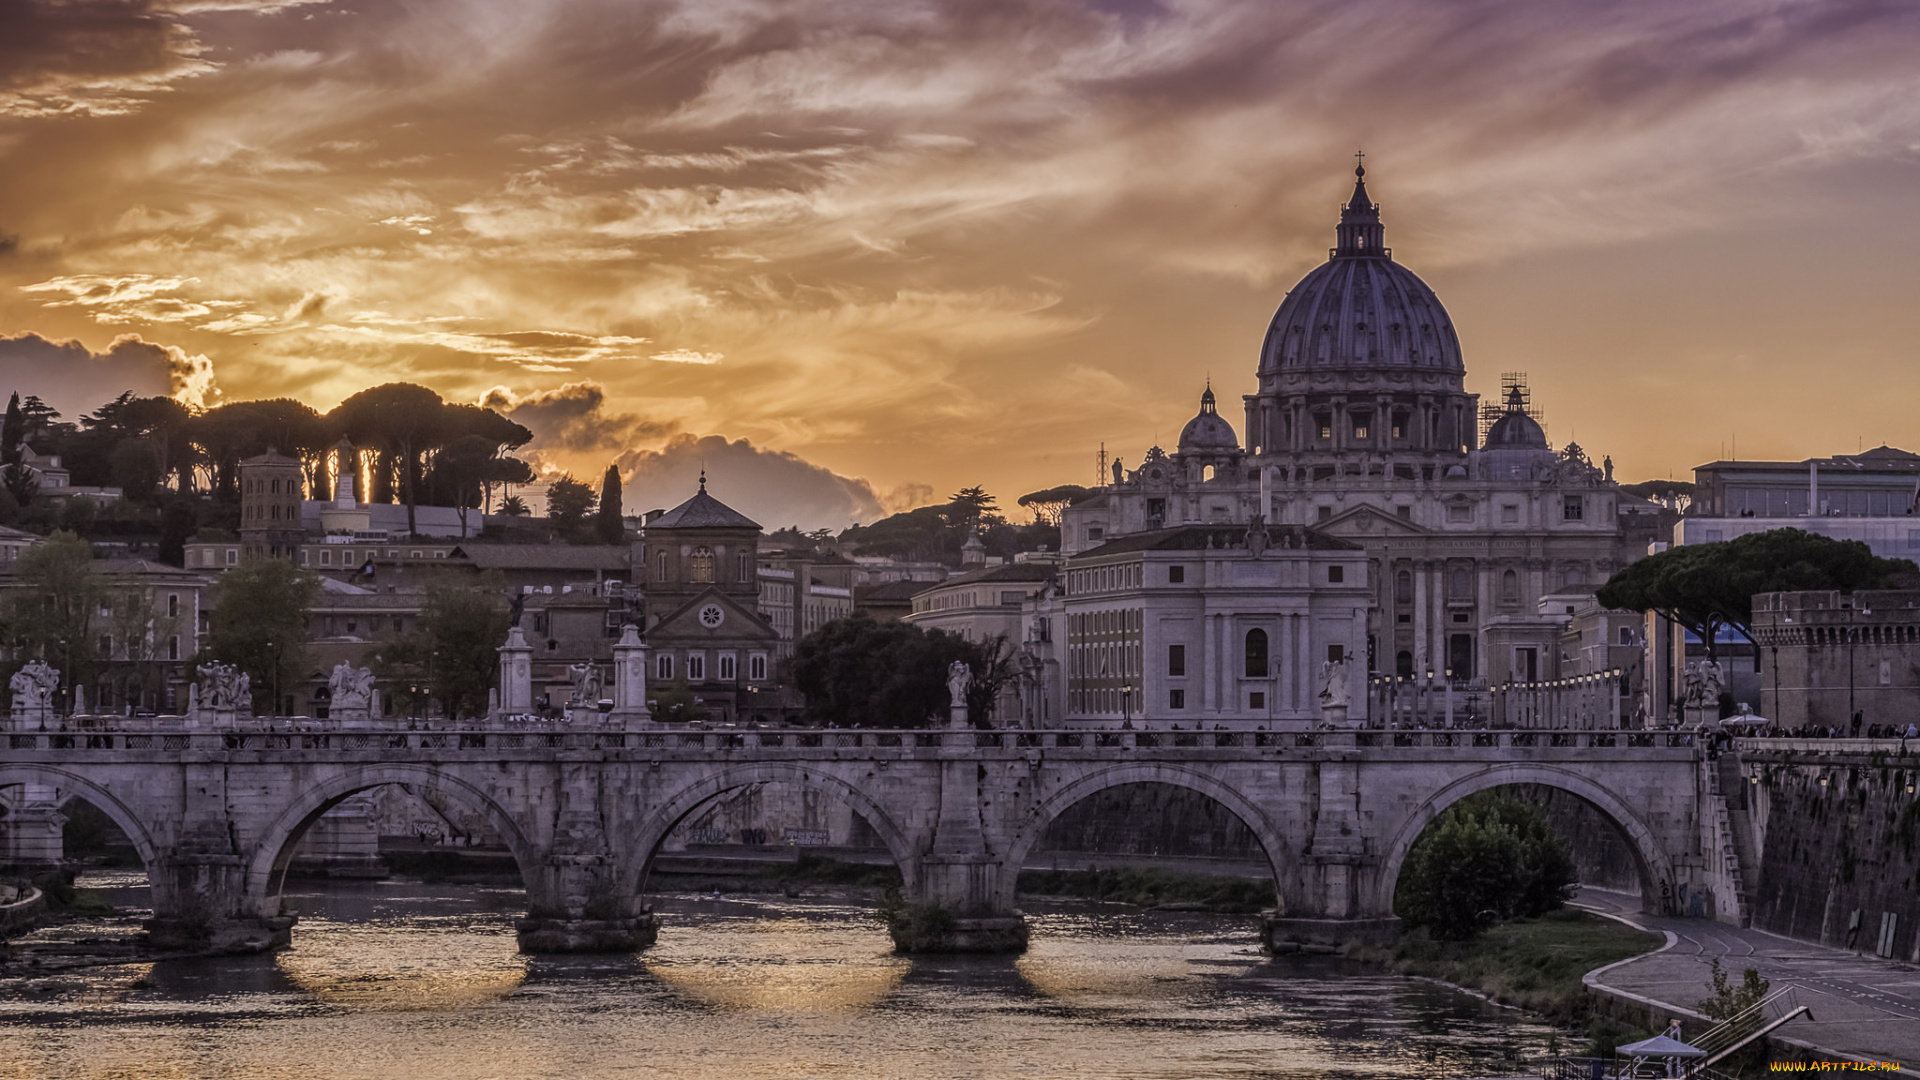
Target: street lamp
(1126,707)
(1449,674)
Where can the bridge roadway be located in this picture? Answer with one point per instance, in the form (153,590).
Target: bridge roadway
(217,814)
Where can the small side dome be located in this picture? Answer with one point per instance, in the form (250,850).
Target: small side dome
(1516,430)
(1208,431)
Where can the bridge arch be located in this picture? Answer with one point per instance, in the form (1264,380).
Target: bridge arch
(1650,858)
(1052,805)
(267,864)
(659,821)
(129,820)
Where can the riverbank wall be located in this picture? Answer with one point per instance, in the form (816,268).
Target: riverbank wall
(1836,825)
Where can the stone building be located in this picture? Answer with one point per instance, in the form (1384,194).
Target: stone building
(1360,427)
(1201,625)
(1826,655)
(704,627)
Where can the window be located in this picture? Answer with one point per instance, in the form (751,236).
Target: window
(1095,532)
(173,605)
(699,568)
(1156,508)
(1403,664)
(727,672)
(1336,574)
(414,555)
(1011,598)
(1176,699)
(106,646)
(1405,512)
(663,666)
(1178,574)
(743,567)
(1573,577)
(1256,654)
(1326,513)
(1460,656)
(233,556)
(1360,424)
(1626,635)
(1510,587)
(173,647)
(1509,514)
(1460,512)
(1257,700)
(1323,422)
(696,667)
(1573,508)
(1336,654)
(1176,660)
(1399,429)
(757,666)
(1526,665)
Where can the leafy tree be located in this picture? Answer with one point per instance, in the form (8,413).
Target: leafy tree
(1486,858)
(1048,504)
(858,672)
(1729,1001)
(568,503)
(401,420)
(975,499)
(227,434)
(260,626)
(19,483)
(50,614)
(609,526)
(674,704)
(513,506)
(460,630)
(1706,586)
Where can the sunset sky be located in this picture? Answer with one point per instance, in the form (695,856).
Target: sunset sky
(851,255)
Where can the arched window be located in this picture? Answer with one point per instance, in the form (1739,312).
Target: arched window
(1573,576)
(1510,587)
(1256,654)
(1403,664)
(1403,588)
(700,565)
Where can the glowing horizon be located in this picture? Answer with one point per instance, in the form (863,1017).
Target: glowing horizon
(860,256)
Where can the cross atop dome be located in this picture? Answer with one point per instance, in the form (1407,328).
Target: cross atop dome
(1360,233)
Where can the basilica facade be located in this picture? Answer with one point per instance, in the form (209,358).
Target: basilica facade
(1469,532)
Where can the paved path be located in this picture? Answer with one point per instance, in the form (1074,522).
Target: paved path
(1862,1006)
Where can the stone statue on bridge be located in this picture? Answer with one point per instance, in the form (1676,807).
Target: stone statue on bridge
(587,686)
(33,688)
(1705,681)
(352,692)
(224,688)
(1333,685)
(959,678)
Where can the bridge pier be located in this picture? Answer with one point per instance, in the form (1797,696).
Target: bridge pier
(32,839)
(200,903)
(575,905)
(960,908)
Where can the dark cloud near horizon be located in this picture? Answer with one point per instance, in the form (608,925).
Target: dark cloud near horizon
(76,380)
(574,418)
(772,487)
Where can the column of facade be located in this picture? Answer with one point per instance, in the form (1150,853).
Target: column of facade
(1382,423)
(1303,646)
(1419,568)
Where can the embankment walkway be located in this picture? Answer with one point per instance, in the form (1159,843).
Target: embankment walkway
(1863,1007)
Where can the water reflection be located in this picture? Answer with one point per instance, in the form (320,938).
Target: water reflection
(393,979)
(812,958)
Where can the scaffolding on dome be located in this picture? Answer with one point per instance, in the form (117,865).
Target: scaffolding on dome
(1512,384)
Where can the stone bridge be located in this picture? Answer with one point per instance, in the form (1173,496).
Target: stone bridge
(216,815)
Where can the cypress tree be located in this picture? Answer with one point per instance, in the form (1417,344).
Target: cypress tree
(608,524)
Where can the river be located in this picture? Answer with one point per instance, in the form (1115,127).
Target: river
(400,979)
